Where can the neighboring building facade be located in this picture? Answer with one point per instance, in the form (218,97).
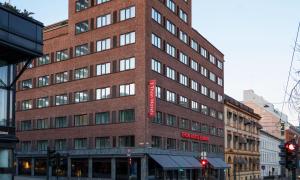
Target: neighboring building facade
(242,133)
(270,117)
(126,89)
(20,41)
(269,155)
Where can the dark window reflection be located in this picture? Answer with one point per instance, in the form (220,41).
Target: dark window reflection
(79,167)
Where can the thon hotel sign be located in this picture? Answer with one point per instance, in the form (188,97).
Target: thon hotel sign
(152,99)
(187,135)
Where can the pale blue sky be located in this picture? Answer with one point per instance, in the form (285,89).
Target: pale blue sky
(256,37)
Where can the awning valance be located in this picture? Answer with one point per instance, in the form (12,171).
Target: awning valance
(217,163)
(168,162)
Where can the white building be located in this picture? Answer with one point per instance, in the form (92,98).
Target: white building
(269,155)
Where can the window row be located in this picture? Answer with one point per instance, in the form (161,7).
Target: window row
(79,97)
(172,97)
(183,123)
(185,38)
(101,118)
(183,58)
(184,80)
(80,73)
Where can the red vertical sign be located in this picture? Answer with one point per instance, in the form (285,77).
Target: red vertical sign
(152,99)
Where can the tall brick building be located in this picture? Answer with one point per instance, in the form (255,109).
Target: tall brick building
(92,95)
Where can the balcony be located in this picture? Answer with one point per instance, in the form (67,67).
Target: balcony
(20,37)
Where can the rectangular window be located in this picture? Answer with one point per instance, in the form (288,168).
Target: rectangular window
(156,16)
(81,96)
(158,92)
(127,89)
(127,64)
(158,118)
(194,45)
(171,27)
(61,122)
(156,142)
(80,143)
(42,145)
(220,81)
(220,98)
(127,115)
(127,13)
(128,38)
(171,5)
(102,118)
(43,81)
(81,5)
(156,41)
(213,113)
(41,124)
(184,145)
(204,109)
(26,146)
(170,96)
(212,59)
(42,102)
(212,76)
(103,93)
(171,73)
(61,77)
(102,1)
(194,65)
(82,50)
(62,55)
(27,104)
(61,99)
(43,60)
(126,141)
(220,65)
(103,69)
(103,45)
(204,71)
(81,73)
(183,101)
(156,65)
(27,84)
(103,20)
(184,124)
(102,142)
(170,50)
(212,94)
(171,143)
(26,125)
(183,37)
(204,90)
(203,52)
(81,120)
(183,58)
(183,79)
(194,85)
(171,120)
(183,16)
(195,105)
(196,126)
(60,144)
(82,27)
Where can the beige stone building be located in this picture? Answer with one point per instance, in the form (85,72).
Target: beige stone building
(241,141)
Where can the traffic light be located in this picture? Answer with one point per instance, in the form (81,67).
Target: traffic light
(291,149)
(203,162)
(282,155)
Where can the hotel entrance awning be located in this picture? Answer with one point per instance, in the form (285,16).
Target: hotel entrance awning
(169,162)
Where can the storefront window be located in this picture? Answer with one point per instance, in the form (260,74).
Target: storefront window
(62,170)
(6,158)
(40,166)
(79,167)
(102,168)
(25,167)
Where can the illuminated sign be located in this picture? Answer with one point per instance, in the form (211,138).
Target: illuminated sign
(187,135)
(152,99)
(3,132)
